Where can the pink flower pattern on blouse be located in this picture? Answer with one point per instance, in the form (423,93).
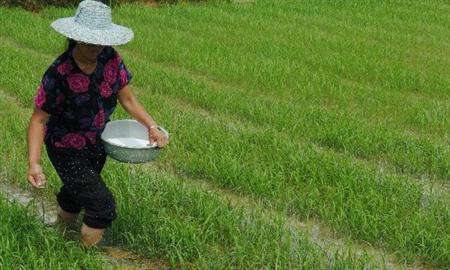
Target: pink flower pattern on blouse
(99,119)
(78,82)
(65,68)
(80,105)
(105,89)
(59,99)
(90,135)
(110,72)
(40,97)
(123,77)
(74,140)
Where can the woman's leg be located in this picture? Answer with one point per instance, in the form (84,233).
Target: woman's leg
(91,236)
(100,206)
(84,188)
(68,209)
(65,216)
(97,157)
(67,224)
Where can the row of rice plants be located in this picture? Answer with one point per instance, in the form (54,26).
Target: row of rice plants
(308,55)
(406,152)
(331,128)
(320,47)
(428,114)
(311,182)
(162,216)
(324,85)
(334,127)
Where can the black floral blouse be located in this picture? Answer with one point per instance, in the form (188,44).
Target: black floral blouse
(80,104)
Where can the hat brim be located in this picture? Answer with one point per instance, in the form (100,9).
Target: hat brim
(113,35)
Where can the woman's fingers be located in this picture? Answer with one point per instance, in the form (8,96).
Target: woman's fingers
(152,138)
(162,140)
(33,181)
(42,180)
(37,180)
(159,138)
(35,176)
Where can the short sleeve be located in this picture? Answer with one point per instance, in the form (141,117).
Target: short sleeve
(124,74)
(49,95)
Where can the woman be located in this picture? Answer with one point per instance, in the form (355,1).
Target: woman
(75,99)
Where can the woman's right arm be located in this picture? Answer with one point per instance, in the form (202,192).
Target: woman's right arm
(35,140)
(46,104)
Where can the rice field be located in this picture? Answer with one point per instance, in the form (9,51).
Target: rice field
(304,135)
(27,245)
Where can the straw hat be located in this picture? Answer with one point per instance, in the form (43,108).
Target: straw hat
(92,23)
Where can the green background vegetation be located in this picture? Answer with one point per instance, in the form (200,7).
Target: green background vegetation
(36,5)
(332,113)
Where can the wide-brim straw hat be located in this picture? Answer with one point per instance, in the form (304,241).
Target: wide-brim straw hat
(93,24)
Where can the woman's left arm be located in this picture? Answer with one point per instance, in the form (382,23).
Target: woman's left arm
(132,106)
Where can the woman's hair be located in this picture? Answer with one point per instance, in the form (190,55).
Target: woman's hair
(70,44)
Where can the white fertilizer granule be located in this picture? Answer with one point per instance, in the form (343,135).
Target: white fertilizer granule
(130,142)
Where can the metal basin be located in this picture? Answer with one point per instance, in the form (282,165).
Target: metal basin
(127,141)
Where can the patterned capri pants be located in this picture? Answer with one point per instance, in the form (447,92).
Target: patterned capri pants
(83,186)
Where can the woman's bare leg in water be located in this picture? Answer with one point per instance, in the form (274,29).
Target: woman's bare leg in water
(91,236)
(67,221)
(66,218)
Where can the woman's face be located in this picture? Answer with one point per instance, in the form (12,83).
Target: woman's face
(90,50)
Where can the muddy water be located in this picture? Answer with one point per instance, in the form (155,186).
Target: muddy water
(45,211)
(122,259)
